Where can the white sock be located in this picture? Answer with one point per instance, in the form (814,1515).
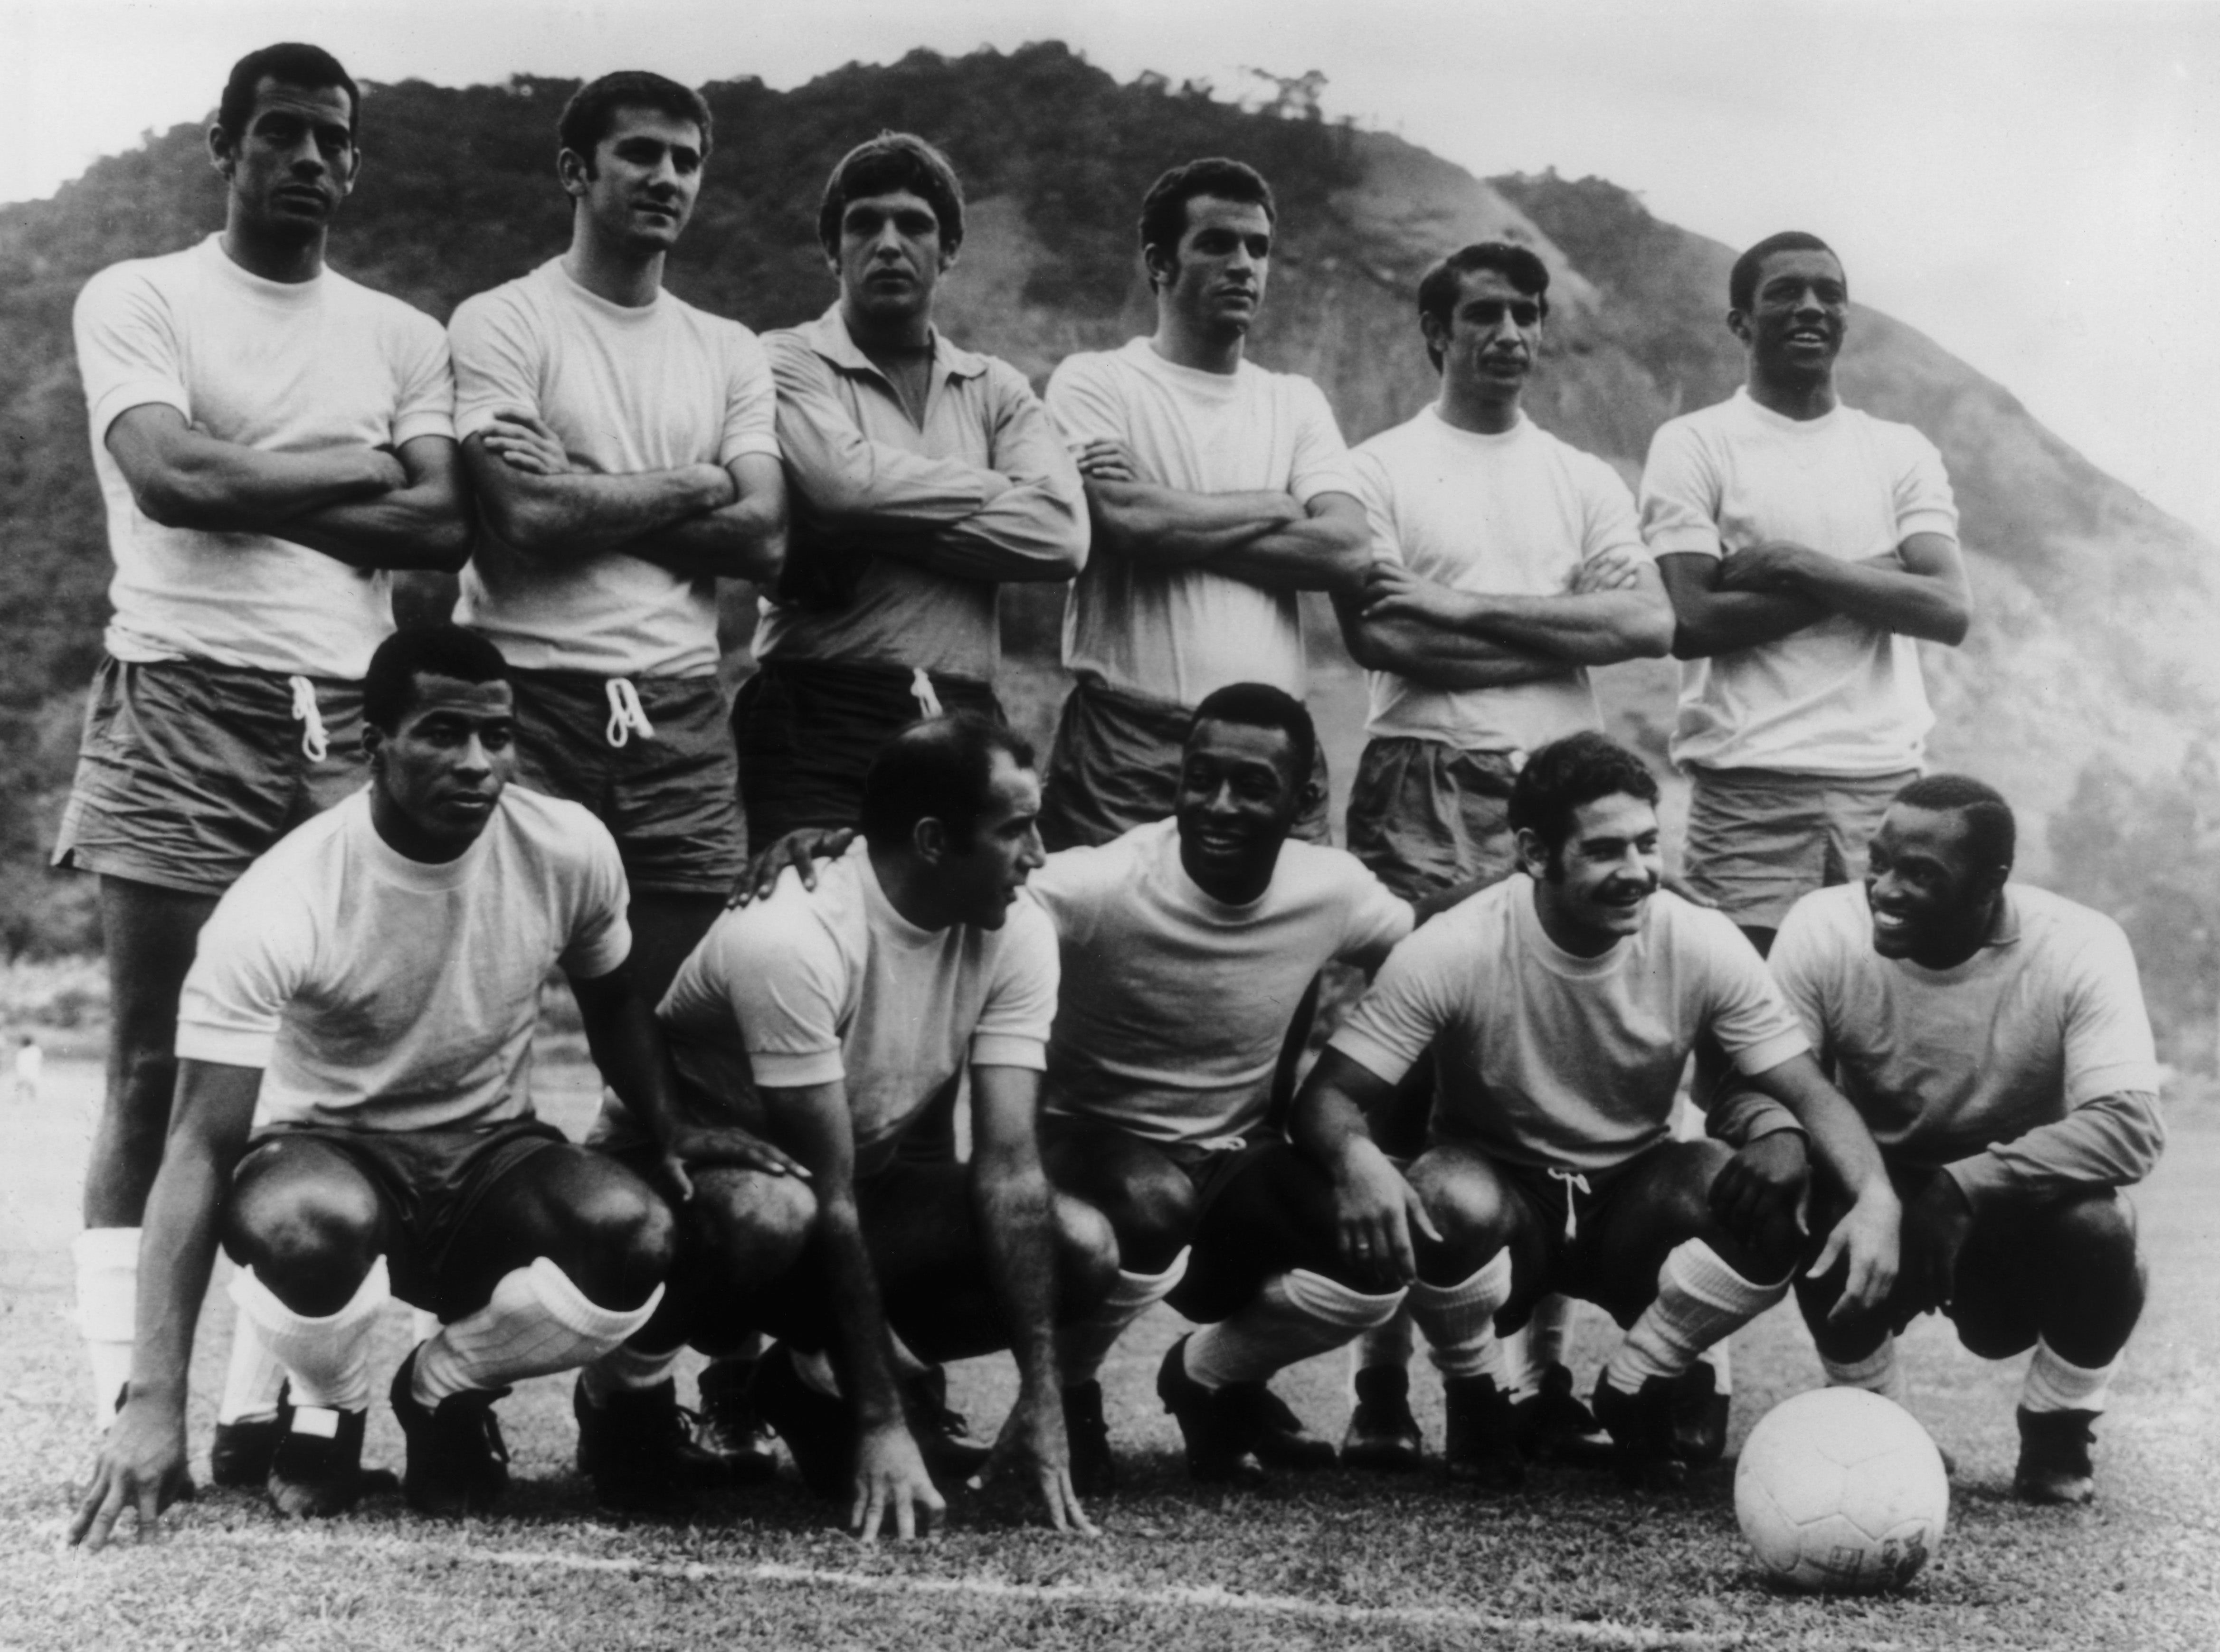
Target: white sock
(1296,1315)
(326,1357)
(1080,1349)
(1720,1357)
(626,1369)
(107,1310)
(1699,1300)
(1459,1319)
(1537,1344)
(537,1322)
(253,1380)
(1878,1371)
(2052,1384)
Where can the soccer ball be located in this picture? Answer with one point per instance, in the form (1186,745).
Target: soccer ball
(1841,1490)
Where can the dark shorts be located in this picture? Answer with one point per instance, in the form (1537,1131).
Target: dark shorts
(1760,840)
(1208,1167)
(187,772)
(807,731)
(430,1182)
(1573,1220)
(1116,765)
(670,801)
(1424,815)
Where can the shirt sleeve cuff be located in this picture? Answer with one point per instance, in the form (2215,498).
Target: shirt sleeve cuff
(423,424)
(229,1047)
(1980,1177)
(1944,522)
(121,400)
(766,445)
(1375,1058)
(470,421)
(1673,541)
(782,1071)
(2118,1079)
(1009,1049)
(1767,1054)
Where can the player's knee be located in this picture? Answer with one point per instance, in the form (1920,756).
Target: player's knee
(747,1223)
(2094,1226)
(1153,1221)
(1086,1256)
(298,1232)
(629,1236)
(1468,1208)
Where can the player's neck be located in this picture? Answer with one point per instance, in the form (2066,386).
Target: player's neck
(1206,350)
(910,888)
(1483,416)
(288,259)
(1798,398)
(1577,940)
(619,275)
(1237,887)
(1981,929)
(407,838)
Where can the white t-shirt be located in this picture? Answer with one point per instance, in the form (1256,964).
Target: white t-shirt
(1945,1063)
(1840,697)
(1514,514)
(1180,634)
(1175,1005)
(652,387)
(1544,1059)
(296,367)
(380,992)
(812,986)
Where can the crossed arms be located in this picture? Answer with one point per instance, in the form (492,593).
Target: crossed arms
(1767,591)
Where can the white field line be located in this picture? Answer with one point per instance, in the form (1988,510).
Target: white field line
(1174,1596)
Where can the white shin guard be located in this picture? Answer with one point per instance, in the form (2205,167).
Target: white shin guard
(1082,1348)
(536,1323)
(1700,1300)
(1295,1316)
(1459,1320)
(107,1310)
(326,1356)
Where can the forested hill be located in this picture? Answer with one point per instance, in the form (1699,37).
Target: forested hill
(2094,607)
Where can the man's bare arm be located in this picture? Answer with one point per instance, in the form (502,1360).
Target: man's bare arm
(425,524)
(1710,618)
(184,477)
(1869,1232)
(1628,618)
(564,515)
(142,1457)
(1433,658)
(745,539)
(1919,591)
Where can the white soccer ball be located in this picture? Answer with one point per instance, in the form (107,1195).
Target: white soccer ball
(1841,1490)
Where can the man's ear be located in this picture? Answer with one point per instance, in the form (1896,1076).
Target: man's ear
(223,152)
(572,171)
(1738,324)
(1533,853)
(929,837)
(373,742)
(1163,265)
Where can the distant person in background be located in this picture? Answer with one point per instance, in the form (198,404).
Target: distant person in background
(1505,563)
(272,439)
(354,1119)
(1993,1038)
(924,477)
(1808,548)
(1218,491)
(30,1070)
(621,444)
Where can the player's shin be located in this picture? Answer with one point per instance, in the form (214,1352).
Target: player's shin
(106,1309)
(1459,1320)
(1082,1348)
(326,1357)
(2055,1384)
(253,1379)
(536,1322)
(1296,1315)
(626,1369)
(1700,1301)
(1879,1372)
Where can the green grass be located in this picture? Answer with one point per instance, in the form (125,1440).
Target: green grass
(1336,1560)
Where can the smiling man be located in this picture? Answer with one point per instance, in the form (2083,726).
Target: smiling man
(1218,491)
(1808,548)
(833,1020)
(271,440)
(1993,1038)
(1560,1006)
(924,476)
(353,1116)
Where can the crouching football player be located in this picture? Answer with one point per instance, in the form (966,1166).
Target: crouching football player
(832,1021)
(351,1116)
(1993,1038)
(1562,1005)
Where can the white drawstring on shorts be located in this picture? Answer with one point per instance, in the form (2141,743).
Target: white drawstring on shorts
(1572,1179)
(314,743)
(920,686)
(626,719)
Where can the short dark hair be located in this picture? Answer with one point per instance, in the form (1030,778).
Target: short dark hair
(937,768)
(1163,208)
(290,63)
(591,113)
(894,160)
(1991,831)
(1259,704)
(1440,287)
(1742,280)
(388,687)
(1561,776)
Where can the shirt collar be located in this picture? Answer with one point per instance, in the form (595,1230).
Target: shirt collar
(829,337)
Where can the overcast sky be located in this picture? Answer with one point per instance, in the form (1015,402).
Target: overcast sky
(2034,185)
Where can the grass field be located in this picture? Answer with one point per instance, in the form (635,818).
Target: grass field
(1335,1562)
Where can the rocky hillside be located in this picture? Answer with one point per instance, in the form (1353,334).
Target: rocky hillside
(2094,605)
